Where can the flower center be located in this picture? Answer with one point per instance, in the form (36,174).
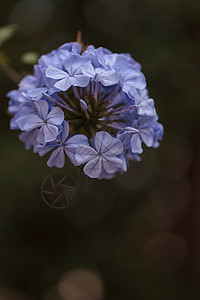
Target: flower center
(90,109)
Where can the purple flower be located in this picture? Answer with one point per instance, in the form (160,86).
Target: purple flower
(103,157)
(63,145)
(46,121)
(88,104)
(77,72)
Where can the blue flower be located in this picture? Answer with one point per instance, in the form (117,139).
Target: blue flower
(103,157)
(63,145)
(87,104)
(77,72)
(47,121)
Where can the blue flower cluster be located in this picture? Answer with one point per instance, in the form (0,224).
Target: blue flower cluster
(88,104)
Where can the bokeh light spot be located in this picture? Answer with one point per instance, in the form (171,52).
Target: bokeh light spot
(81,284)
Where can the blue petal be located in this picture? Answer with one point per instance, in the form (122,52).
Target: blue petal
(87,69)
(103,141)
(107,77)
(65,132)
(85,153)
(42,108)
(65,83)
(55,73)
(72,144)
(32,121)
(43,149)
(57,158)
(111,163)
(93,168)
(56,116)
(115,148)
(50,132)
(136,144)
(147,136)
(81,80)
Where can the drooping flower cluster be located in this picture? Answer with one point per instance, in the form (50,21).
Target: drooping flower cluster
(90,105)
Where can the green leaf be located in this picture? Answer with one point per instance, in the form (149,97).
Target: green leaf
(7,32)
(30,58)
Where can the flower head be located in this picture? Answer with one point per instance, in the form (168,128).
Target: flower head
(88,104)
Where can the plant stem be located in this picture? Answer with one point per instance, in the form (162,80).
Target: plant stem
(10,72)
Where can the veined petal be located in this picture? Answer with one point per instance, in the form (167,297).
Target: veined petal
(111,163)
(136,144)
(43,149)
(56,116)
(85,153)
(57,158)
(87,70)
(36,93)
(55,73)
(32,121)
(76,140)
(77,62)
(93,167)
(65,83)
(115,148)
(50,132)
(81,80)
(107,77)
(103,141)
(42,108)
(72,144)
(64,134)
(147,136)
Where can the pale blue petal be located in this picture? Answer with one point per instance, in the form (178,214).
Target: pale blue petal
(50,132)
(78,139)
(136,144)
(43,149)
(42,108)
(107,77)
(36,93)
(88,70)
(103,141)
(55,73)
(56,116)
(81,80)
(32,121)
(64,84)
(65,132)
(93,168)
(57,158)
(72,144)
(84,154)
(111,163)
(147,136)
(115,148)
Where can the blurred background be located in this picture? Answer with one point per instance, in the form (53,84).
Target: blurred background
(134,237)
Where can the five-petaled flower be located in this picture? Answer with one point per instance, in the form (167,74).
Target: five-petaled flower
(104,156)
(63,145)
(47,121)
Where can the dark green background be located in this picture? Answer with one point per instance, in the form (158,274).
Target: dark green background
(141,231)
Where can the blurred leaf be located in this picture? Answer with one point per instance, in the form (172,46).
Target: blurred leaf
(30,58)
(7,32)
(4,60)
